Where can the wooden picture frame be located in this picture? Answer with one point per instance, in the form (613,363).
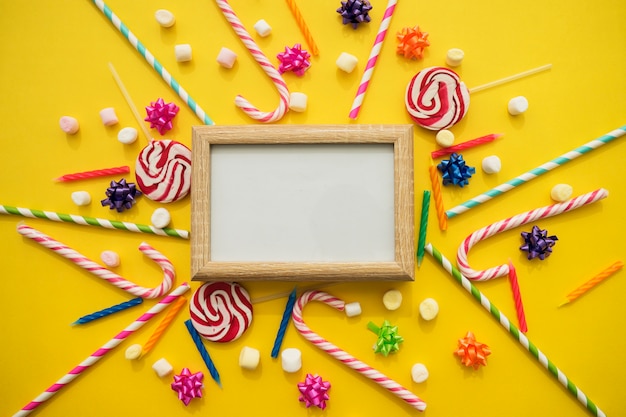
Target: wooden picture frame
(400,267)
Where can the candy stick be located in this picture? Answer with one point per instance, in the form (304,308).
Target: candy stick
(92,221)
(435,181)
(195,336)
(93,174)
(343,356)
(423,227)
(158,332)
(517,297)
(130,102)
(108,311)
(267,66)
(464,145)
(371,61)
(106,348)
(592,282)
(510,78)
(154,63)
(512,222)
(303,27)
(520,337)
(283,323)
(101,272)
(534,173)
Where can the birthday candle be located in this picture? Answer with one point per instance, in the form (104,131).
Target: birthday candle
(593,282)
(423,227)
(464,145)
(283,323)
(158,332)
(441,212)
(108,311)
(195,336)
(517,297)
(93,174)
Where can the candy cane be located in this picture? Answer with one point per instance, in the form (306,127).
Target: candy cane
(512,222)
(101,272)
(344,356)
(267,66)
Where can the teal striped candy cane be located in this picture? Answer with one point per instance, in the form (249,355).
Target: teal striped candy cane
(154,63)
(521,337)
(534,173)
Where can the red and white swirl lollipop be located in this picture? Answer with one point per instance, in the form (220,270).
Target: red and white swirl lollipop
(436,98)
(221,311)
(163,170)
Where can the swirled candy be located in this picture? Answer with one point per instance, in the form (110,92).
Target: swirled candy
(221,311)
(436,98)
(163,170)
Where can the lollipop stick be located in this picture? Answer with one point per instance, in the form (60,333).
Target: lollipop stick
(510,78)
(129,100)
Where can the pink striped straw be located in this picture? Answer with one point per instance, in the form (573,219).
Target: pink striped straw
(512,222)
(371,62)
(100,271)
(106,348)
(343,356)
(259,56)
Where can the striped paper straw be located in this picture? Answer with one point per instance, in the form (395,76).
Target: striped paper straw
(534,173)
(303,27)
(106,348)
(266,65)
(154,63)
(343,356)
(519,336)
(512,222)
(371,61)
(92,221)
(100,271)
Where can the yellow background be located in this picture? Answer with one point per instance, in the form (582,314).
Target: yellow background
(53,62)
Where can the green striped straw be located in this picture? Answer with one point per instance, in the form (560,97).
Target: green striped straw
(93,221)
(154,63)
(534,173)
(521,337)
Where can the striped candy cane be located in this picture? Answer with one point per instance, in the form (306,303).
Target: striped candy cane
(371,61)
(154,63)
(512,222)
(267,66)
(343,356)
(106,348)
(514,331)
(100,271)
(534,173)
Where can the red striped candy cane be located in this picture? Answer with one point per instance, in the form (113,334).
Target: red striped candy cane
(100,271)
(343,356)
(267,66)
(106,348)
(512,222)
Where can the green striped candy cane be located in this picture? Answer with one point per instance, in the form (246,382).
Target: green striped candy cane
(519,336)
(154,63)
(534,173)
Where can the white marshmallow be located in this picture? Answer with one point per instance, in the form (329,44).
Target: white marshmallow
(110,258)
(81,198)
(444,138)
(291,360)
(352,309)
(346,62)
(561,192)
(392,299)
(454,57)
(182,52)
(161,218)
(162,367)
(517,105)
(133,352)
(249,358)
(127,135)
(165,18)
(226,58)
(262,28)
(419,373)
(429,309)
(69,125)
(108,116)
(297,101)
(492,164)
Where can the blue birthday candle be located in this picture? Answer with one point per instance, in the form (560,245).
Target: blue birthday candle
(203,352)
(107,311)
(283,323)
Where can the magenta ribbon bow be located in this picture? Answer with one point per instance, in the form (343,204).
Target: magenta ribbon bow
(294,59)
(314,391)
(188,385)
(160,115)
